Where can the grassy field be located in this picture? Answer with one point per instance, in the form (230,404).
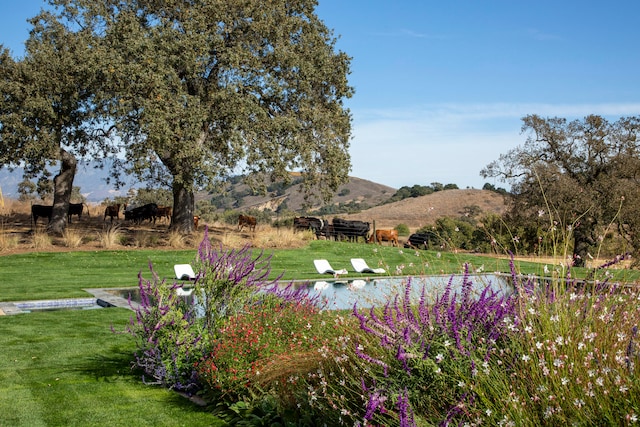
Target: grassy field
(68,367)
(46,275)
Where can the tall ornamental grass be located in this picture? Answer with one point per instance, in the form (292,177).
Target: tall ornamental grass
(574,359)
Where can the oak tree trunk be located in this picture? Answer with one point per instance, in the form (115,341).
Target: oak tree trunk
(183,207)
(582,241)
(62,186)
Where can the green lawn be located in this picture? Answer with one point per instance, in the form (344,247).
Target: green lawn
(65,274)
(67,368)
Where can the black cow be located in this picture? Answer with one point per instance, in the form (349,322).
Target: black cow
(350,230)
(419,240)
(41,211)
(76,209)
(309,223)
(139,214)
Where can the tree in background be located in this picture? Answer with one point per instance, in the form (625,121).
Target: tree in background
(203,89)
(26,191)
(47,108)
(569,179)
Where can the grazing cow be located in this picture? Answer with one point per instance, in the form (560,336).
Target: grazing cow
(418,241)
(328,231)
(137,215)
(309,223)
(113,210)
(41,211)
(385,236)
(38,211)
(350,230)
(76,209)
(163,212)
(246,220)
(196,218)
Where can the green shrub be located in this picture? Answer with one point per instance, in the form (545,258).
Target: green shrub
(403,229)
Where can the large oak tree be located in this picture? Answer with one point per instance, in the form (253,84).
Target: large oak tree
(581,177)
(47,108)
(204,88)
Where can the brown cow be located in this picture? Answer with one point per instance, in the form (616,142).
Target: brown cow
(163,212)
(113,210)
(385,236)
(247,220)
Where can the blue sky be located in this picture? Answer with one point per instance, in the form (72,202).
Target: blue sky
(441,87)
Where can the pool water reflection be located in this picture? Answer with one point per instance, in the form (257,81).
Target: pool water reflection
(343,294)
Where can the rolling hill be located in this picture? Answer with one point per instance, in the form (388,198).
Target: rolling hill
(417,212)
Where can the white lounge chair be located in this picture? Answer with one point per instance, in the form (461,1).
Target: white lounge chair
(323,267)
(184,272)
(361,266)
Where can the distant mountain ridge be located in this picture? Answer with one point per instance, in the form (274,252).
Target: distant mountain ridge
(93,186)
(91,180)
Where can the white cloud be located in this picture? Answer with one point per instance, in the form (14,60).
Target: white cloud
(449,143)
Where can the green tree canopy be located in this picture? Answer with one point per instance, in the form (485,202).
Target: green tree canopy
(47,109)
(206,88)
(572,177)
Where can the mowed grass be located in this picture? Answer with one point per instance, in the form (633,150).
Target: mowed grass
(51,275)
(67,368)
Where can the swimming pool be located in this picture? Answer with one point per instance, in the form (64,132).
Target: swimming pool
(367,292)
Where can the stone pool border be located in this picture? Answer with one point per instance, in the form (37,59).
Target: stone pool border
(102,298)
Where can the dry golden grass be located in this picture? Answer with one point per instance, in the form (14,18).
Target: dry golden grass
(12,206)
(270,237)
(110,237)
(72,238)
(8,241)
(176,240)
(416,212)
(40,240)
(145,239)
(231,239)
